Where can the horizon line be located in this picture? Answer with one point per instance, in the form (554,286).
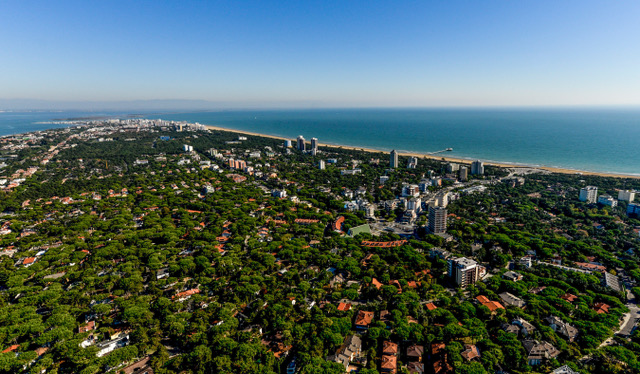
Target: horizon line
(104,106)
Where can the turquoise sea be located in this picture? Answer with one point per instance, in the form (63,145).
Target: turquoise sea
(603,140)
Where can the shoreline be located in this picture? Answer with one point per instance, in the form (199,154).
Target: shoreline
(458,160)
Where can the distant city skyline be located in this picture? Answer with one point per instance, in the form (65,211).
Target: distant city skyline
(216,55)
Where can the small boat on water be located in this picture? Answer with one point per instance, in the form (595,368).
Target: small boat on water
(449,149)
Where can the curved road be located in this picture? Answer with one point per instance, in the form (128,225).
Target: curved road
(630,318)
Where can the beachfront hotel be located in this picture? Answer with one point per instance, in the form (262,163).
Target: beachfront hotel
(477,168)
(301,144)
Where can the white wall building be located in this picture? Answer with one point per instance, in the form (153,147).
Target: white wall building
(414,204)
(589,194)
(627,195)
(477,167)
(607,200)
(412,163)
(463,271)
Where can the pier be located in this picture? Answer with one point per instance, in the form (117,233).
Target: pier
(440,151)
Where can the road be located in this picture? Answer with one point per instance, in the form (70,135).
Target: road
(629,319)
(563,267)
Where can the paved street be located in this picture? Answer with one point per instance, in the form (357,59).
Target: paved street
(630,319)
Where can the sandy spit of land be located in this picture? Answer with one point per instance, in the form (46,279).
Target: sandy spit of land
(439,157)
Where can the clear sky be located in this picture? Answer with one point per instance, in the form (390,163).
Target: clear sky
(323,53)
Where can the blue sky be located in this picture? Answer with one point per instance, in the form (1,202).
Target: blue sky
(323,53)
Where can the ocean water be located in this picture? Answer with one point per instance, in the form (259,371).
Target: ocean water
(19,122)
(601,140)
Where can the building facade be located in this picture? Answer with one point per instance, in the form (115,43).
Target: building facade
(633,210)
(301,143)
(627,195)
(589,194)
(463,174)
(412,163)
(437,219)
(607,200)
(393,161)
(463,271)
(477,168)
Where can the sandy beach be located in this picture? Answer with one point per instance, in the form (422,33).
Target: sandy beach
(439,157)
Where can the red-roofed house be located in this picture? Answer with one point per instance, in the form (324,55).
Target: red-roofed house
(344,307)
(569,297)
(88,327)
(181,296)
(431,306)
(389,364)
(389,348)
(363,320)
(470,352)
(601,308)
(492,305)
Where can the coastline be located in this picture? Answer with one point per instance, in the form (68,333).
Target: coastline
(458,160)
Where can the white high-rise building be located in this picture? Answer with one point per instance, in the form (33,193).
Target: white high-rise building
(589,194)
(463,271)
(412,163)
(414,204)
(314,144)
(442,200)
(477,168)
(393,159)
(607,200)
(321,165)
(287,144)
(627,195)
(301,144)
